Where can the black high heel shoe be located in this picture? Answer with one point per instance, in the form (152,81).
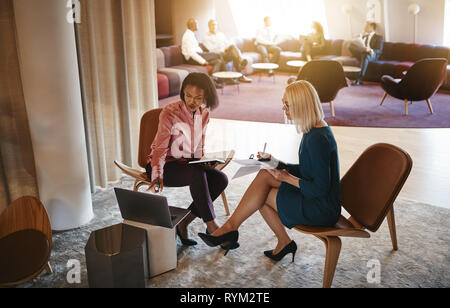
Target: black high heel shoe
(290,248)
(226,246)
(230,240)
(184,241)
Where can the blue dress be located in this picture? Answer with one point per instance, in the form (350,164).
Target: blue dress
(318,200)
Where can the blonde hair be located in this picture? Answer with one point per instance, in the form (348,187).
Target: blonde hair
(304,105)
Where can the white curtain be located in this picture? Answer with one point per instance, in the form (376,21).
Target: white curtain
(289,17)
(17,165)
(116,40)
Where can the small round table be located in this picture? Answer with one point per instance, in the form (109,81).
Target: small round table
(351,72)
(261,67)
(234,76)
(296,63)
(351,69)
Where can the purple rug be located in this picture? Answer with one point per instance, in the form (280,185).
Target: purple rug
(357,106)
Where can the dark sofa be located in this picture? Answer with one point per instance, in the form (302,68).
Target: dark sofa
(395,58)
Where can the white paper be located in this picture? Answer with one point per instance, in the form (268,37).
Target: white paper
(248,162)
(246,170)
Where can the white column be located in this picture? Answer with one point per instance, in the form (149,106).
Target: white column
(387,21)
(51,84)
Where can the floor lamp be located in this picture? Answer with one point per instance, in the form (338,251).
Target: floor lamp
(414,9)
(347,9)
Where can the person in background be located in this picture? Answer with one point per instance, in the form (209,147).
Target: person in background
(180,139)
(308,193)
(368,48)
(193,53)
(314,43)
(265,43)
(218,43)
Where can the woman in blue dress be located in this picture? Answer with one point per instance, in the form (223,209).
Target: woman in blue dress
(306,194)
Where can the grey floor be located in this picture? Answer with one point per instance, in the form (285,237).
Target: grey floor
(422,260)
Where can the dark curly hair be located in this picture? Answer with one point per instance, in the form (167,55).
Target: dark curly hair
(204,82)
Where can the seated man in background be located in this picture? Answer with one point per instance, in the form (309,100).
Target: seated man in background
(265,43)
(218,43)
(192,52)
(367,48)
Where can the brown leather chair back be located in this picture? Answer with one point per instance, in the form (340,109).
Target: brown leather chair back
(26,213)
(149,128)
(423,79)
(25,241)
(372,184)
(326,76)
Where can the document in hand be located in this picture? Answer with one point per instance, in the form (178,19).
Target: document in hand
(207,161)
(252,165)
(213,158)
(249,166)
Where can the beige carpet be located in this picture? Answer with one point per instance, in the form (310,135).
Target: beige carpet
(422,260)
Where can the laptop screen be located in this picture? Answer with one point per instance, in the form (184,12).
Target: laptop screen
(143,207)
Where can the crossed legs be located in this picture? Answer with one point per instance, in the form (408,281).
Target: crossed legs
(260,196)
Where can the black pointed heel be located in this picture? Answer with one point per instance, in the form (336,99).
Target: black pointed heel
(213,241)
(229,246)
(184,241)
(226,246)
(290,248)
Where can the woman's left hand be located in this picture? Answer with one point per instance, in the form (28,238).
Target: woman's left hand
(280,175)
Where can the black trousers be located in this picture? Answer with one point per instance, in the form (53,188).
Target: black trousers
(309,49)
(205,185)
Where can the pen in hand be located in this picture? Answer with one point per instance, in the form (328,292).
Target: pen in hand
(262,156)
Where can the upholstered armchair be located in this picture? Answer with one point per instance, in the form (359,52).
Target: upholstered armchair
(419,83)
(327,76)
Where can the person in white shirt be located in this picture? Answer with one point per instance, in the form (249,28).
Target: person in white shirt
(193,53)
(368,48)
(265,42)
(218,43)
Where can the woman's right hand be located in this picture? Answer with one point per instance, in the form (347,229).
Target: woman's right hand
(154,185)
(263,156)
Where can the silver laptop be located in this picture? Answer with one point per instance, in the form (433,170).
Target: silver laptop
(148,209)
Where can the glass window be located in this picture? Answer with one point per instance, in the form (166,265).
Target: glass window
(289,17)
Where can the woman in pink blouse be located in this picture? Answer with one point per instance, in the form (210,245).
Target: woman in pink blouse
(180,139)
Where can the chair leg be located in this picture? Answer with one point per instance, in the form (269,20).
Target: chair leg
(48,268)
(406,107)
(225,203)
(429,106)
(384,98)
(392,229)
(332,109)
(136,185)
(333,246)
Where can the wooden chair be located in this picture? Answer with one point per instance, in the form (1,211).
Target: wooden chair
(148,130)
(369,190)
(25,242)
